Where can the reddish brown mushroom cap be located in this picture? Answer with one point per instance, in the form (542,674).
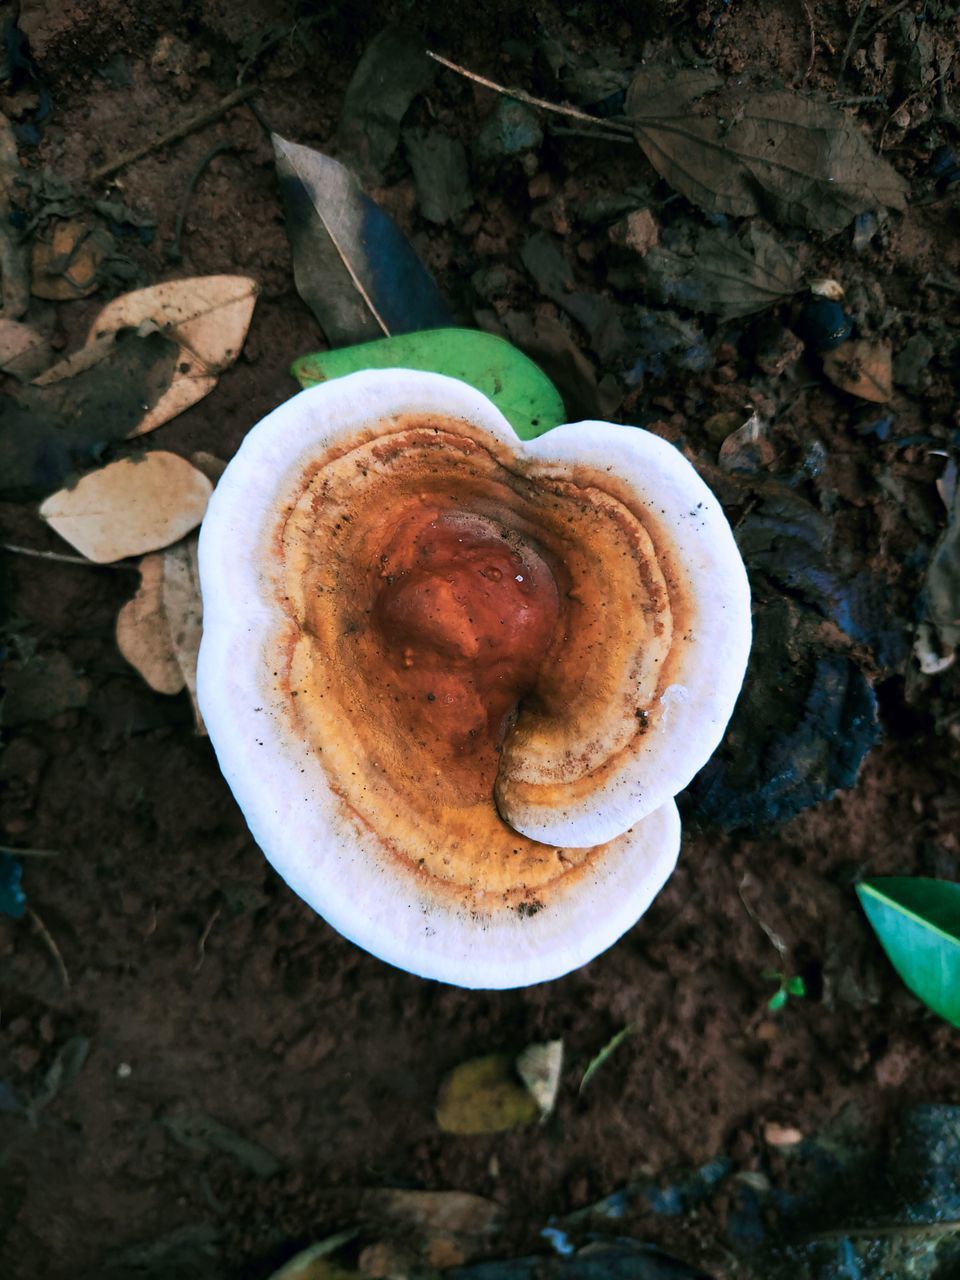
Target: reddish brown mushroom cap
(455,680)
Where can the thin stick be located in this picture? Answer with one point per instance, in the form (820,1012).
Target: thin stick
(591,133)
(210,116)
(202,944)
(29,853)
(174,252)
(850,39)
(529,99)
(775,940)
(946,286)
(912,97)
(61,559)
(813,41)
(52,947)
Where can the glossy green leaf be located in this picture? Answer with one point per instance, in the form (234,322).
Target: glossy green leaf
(918,923)
(777,1000)
(521,391)
(795,987)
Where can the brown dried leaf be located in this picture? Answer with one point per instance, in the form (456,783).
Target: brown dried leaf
(207,316)
(485,1096)
(447,1228)
(66,261)
(130,506)
(795,160)
(158,631)
(862,368)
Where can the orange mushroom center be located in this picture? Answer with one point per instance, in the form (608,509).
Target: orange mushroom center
(466,614)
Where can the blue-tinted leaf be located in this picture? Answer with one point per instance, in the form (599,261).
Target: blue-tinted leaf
(352,265)
(918,923)
(13,901)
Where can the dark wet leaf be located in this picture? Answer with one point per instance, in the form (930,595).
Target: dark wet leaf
(188,1253)
(621,1259)
(804,722)
(48,432)
(721,273)
(588,76)
(520,390)
(439,165)
(41,689)
(199,1132)
(393,70)
(918,923)
(661,341)
(942,586)
(599,316)
(856,1209)
(13,901)
(352,265)
(66,1066)
(794,160)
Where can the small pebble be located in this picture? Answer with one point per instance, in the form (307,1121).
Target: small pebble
(781,1135)
(124,1071)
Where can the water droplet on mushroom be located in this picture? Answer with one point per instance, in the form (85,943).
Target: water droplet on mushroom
(519,577)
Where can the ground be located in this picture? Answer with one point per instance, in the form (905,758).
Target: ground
(188,979)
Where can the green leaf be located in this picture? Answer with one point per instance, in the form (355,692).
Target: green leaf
(918,923)
(777,1000)
(796,987)
(484,1095)
(613,1044)
(521,391)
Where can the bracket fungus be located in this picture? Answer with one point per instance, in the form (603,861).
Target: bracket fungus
(455,679)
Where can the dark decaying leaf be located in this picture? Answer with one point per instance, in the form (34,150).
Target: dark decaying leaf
(202,1133)
(796,161)
(546,341)
(942,587)
(13,901)
(393,70)
(352,266)
(804,722)
(621,1259)
(720,273)
(42,688)
(439,165)
(599,316)
(918,923)
(48,432)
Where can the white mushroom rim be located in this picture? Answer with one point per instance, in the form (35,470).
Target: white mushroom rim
(455,679)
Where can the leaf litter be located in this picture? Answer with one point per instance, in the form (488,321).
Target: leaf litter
(794,160)
(352,265)
(130,506)
(158,630)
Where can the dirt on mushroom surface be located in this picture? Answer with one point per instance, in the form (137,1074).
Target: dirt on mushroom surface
(208,1067)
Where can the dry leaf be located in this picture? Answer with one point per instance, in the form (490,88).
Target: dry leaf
(207,316)
(446,1228)
(158,630)
(790,158)
(130,506)
(211,466)
(862,368)
(66,262)
(23,351)
(721,273)
(484,1096)
(539,1067)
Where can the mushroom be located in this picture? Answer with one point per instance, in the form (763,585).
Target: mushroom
(455,679)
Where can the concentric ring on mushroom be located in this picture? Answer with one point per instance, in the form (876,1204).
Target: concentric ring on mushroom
(481,668)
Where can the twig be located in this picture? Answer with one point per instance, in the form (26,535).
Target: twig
(196,122)
(813,41)
(909,1230)
(945,286)
(61,559)
(202,944)
(850,39)
(29,853)
(52,947)
(529,99)
(173,253)
(775,940)
(591,133)
(876,99)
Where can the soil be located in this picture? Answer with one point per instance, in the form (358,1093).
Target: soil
(198,982)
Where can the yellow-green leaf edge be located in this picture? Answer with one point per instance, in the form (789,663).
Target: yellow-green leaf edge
(519,388)
(924,953)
